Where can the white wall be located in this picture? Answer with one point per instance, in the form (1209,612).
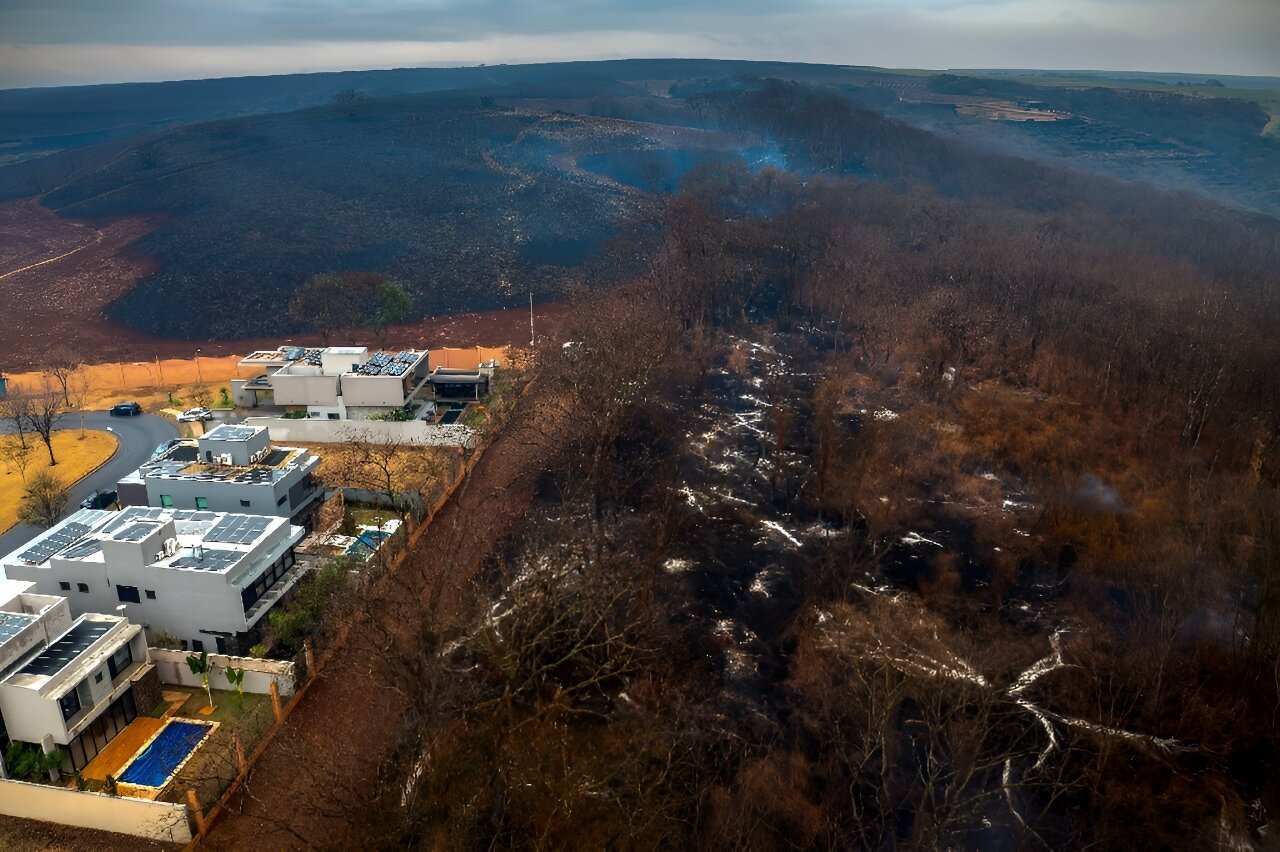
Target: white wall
(138,817)
(341,431)
(173,668)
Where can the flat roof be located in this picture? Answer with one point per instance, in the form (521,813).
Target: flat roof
(182,462)
(232,432)
(13,623)
(233,537)
(67,648)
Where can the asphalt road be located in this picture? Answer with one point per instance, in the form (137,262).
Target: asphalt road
(138,437)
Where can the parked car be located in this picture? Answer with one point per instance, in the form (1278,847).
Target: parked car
(164,447)
(126,409)
(195,414)
(99,500)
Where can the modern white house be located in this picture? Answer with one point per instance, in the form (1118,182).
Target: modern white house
(333,383)
(206,578)
(66,683)
(232,468)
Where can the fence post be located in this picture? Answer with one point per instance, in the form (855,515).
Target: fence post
(193,802)
(309,654)
(275,701)
(235,738)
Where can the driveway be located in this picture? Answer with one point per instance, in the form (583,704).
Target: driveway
(138,437)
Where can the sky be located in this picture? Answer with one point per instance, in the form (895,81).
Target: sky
(58,42)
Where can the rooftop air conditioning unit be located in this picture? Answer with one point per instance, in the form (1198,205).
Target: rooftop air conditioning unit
(224,458)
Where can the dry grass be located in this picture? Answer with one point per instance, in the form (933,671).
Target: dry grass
(76,455)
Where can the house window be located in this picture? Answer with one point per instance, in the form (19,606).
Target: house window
(166,501)
(64,585)
(202,502)
(82,587)
(151,594)
(197,645)
(184,645)
(97,678)
(128,594)
(70,704)
(333,417)
(244,503)
(280,502)
(120,661)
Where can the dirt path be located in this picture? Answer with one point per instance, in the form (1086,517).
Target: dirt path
(326,759)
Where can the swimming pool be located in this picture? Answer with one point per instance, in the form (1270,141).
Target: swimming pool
(367,542)
(167,751)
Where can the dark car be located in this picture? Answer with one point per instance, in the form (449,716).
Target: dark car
(126,409)
(98,500)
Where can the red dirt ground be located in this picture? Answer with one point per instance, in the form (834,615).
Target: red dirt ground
(58,276)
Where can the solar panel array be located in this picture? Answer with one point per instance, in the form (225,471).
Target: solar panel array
(82,549)
(238,529)
(13,623)
(386,364)
(209,559)
(73,643)
(62,537)
(136,532)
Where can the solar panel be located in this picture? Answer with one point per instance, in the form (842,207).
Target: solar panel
(210,560)
(137,532)
(83,549)
(238,529)
(73,643)
(13,623)
(66,534)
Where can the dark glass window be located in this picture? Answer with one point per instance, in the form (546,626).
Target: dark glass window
(64,585)
(128,594)
(244,503)
(120,660)
(151,594)
(70,704)
(83,587)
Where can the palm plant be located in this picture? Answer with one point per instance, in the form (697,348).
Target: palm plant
(200,665)
(235,676)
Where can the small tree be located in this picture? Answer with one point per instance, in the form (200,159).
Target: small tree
(46,411)
(391,305)
(334,300)
(44,499)
(16,456)
(235,676)
(200,665)
(61,364)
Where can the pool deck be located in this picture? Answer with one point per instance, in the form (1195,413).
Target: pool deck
(122,748)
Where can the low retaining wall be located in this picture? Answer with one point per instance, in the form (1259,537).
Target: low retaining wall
(141,818)
(317,431)
(258,674)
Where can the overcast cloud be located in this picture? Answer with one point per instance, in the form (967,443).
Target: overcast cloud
(51,42)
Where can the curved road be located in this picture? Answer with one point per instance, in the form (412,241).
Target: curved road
(138,437)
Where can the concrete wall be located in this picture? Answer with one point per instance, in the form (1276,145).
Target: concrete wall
(305,390)
(318,431)
(387,391)
(137,817)
(173,668)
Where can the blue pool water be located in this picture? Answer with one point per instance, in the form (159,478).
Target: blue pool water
(367,542)
(157,761)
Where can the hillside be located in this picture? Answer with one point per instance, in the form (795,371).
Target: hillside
(476,186)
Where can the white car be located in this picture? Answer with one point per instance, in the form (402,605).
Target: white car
(195,414)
